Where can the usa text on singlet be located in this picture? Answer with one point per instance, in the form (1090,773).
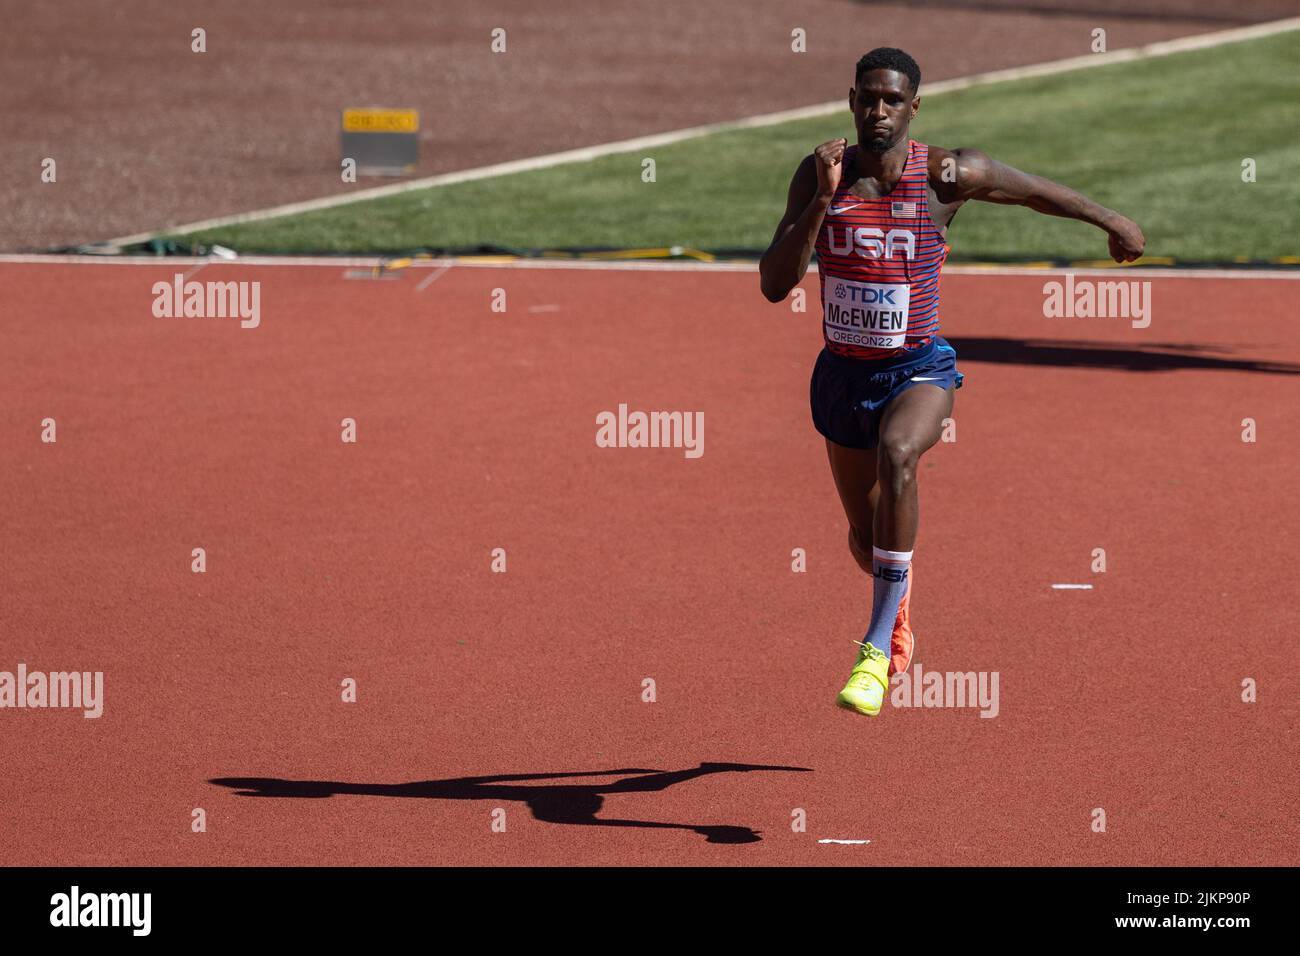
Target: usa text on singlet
(879,262)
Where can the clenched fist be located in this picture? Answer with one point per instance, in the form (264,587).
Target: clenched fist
(829,167)
(1126,239)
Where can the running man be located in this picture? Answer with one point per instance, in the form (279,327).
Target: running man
(878,215)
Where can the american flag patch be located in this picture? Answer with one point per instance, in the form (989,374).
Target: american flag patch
(903,210)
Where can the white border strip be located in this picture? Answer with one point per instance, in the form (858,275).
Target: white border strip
(353,262)
(1145,272)
(1163,48)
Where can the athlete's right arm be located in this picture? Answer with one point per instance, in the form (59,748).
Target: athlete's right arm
(811,190)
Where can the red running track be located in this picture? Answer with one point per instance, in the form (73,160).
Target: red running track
(476,431)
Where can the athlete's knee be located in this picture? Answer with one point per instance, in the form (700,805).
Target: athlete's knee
(898,456)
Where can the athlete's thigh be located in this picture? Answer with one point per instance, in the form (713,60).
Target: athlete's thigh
(854,470)
(914,419)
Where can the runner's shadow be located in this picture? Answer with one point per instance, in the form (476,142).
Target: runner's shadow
(569,803)
(1156,357)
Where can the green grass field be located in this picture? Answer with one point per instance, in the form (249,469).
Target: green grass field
(1161,140)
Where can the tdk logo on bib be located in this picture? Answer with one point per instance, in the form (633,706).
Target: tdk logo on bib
(870,243)
(866,314)
(872,294)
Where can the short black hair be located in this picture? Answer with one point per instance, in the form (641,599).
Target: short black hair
(889,58)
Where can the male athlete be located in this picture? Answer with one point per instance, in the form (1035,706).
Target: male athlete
(878,215)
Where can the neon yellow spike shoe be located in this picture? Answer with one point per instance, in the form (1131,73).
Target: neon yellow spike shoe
(865,691)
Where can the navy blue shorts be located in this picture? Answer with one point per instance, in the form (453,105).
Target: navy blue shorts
(849,395)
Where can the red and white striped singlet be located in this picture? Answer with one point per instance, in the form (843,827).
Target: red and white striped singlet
(879,262)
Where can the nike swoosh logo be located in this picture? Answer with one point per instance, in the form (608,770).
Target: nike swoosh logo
(919,379)
(835,212)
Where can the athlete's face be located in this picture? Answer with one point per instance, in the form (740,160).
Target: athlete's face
(883,106)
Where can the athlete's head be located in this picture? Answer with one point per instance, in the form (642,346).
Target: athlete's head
(885,97)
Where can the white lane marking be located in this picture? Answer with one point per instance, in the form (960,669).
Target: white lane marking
(628,265)
(1086,61)
(1072,587)
(851,842)
(1144,271)
(432,277)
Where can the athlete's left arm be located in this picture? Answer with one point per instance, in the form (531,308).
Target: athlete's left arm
(958,175)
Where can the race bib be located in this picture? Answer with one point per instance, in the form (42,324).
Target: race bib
(866,314)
